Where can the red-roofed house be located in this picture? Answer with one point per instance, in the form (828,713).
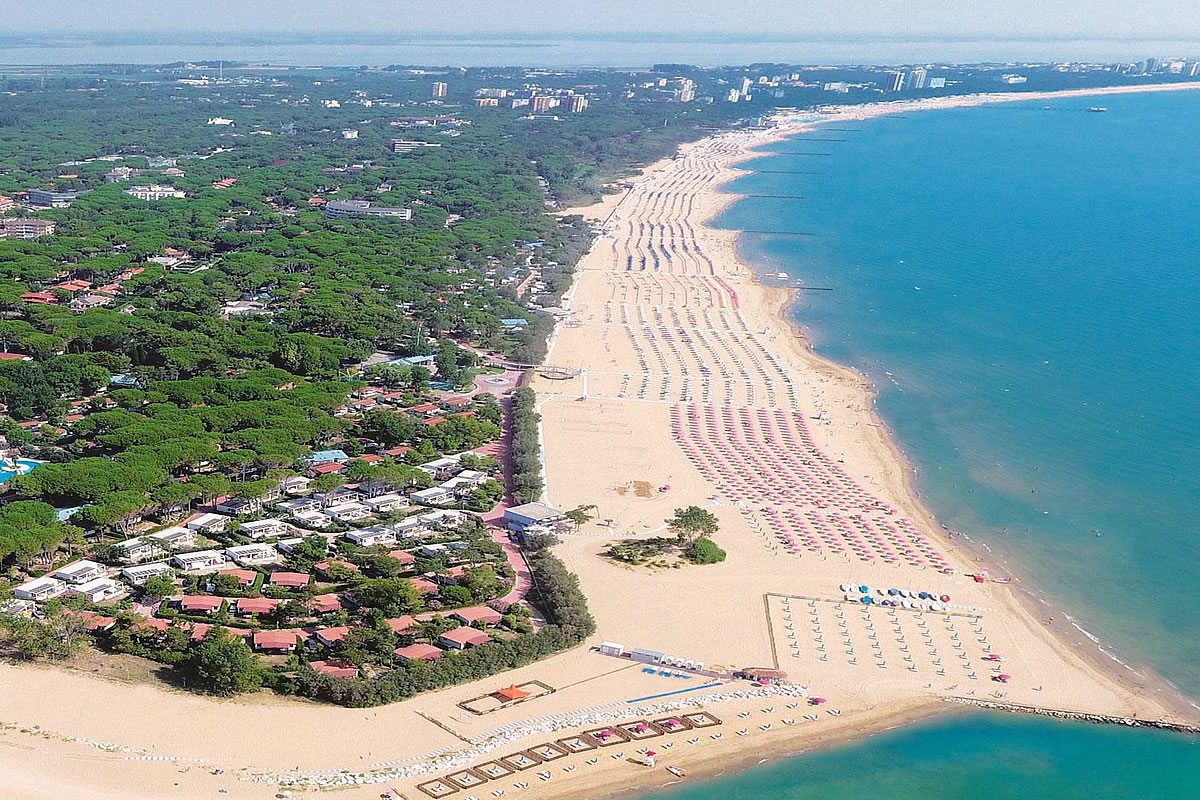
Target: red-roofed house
(200,604)
(402,624)
(325,604)
(331,636)
(456,401)
(425,409)
(291,580)
(462,638)
(434,421)
(418,652)
(482,615)
(403,556)
(39,298)
(278,641)
(255,605)
(323,566)
(73,286)
(338,669)
(396,452)
(332,468)
(245,577)
(423,585)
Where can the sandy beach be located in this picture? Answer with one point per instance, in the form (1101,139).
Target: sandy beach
(691,386)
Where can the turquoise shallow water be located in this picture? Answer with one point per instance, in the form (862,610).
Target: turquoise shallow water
(1022,283)
(974,757)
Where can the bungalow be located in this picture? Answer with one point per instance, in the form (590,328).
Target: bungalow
(441,468)
(476,615)
(80,572)
(299,504)
(261,528)
(132,551)
(403,556)
(247,554)
(337,669)
(442,519)
(295,484)
(201,559)
(311,519)
(329,468)
(441,549)
(331,636)
(278,641)
(200,604)
(426,410)
(424,585)
(244,606)
(386,502)
(139,574)
(462,638)
(418,652)
(347,512)
(404,624)
(245,577)
(369,537)
(397,452)
(207,523)
(40,589)
(86,302)
(237,506)
(17,608)
(290,580)
(433,496)
(327,456)
(342,494)
(288,545)
(324,604)
(95,623)
(175,537)
(98,590)
(324,566)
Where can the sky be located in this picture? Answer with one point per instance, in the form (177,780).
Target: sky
(1041,18)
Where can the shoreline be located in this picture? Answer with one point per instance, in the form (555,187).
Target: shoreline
(1064,627)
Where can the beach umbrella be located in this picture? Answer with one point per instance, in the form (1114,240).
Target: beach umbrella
(864,588)
(945,598)
(1004,678)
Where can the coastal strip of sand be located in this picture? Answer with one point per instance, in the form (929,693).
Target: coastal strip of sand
(690,386)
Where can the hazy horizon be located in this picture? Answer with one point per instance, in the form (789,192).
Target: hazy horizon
(1005,19)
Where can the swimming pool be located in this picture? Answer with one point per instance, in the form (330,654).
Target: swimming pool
(7,470)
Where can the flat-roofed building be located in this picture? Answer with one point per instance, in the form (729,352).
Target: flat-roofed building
(154,191)
(337,209)
(247,554)
(201,559)
(44,588)
(26,227)
(80,571)
(138,574)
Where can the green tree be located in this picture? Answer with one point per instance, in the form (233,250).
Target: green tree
(159,587)
(691,522)
(222,664)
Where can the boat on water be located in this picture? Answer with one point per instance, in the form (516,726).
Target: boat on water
(1097,109)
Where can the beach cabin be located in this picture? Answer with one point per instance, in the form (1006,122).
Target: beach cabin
(295,485)
(284,641)
(612,648)
(246,606)
(290,580)
(99,590)
(140,573)
(646,656)
(262,528)
(385,503)
(207,524)
(201,559)
(80,572)
(331,636)
(250,554)
(441,519)
(462,638)
(337,669)
(40,589)
(530,516)
(288,545)
(175,537)
(324,604)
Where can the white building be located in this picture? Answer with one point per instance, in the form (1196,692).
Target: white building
(370,537)
(220,121)
(386,502)
(433,496)
(40,589)
(347,512)
(137,549)
(312,519)
(140,573)
(80,572)
(175,537)
(250,554)
(261,528)
(98,590)
(201,559)
(207,523)
(154,191)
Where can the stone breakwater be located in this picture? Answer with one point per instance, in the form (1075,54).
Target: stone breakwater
(1078,716)
(465,757)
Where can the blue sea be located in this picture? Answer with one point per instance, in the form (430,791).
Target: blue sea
(1022,284)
